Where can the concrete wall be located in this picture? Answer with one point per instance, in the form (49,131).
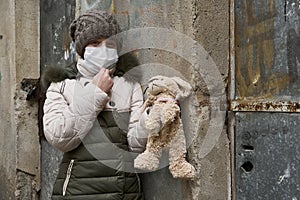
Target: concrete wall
(211,29)
(19,53)
(207,23)
(264,31)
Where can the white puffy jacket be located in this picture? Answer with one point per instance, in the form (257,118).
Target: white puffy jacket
(72,106)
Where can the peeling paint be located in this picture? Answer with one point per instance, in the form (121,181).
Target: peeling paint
(254,47)
(287,174)
(66,54)
(295,5)
(267,46)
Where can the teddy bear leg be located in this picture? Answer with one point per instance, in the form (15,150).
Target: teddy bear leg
(147,160)
(179,167)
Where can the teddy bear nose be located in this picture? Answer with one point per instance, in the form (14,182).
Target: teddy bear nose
(154,86)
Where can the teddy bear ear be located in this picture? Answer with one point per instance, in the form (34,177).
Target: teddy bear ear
(184,87)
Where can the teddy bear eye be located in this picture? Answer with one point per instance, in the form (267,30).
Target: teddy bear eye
(152,80)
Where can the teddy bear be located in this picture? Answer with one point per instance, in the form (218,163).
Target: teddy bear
(164,126)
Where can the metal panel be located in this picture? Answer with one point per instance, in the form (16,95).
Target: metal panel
(56,16)
(267,47)
(267,156)
(267,66)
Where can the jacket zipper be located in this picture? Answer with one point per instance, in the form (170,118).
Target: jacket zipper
(67,177)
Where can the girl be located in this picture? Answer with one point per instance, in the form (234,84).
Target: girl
(95,118)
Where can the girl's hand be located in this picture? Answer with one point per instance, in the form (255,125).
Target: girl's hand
(103,80)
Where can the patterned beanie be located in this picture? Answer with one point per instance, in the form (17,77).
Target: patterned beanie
(92,25)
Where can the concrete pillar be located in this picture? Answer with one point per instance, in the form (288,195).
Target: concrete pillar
(19,148)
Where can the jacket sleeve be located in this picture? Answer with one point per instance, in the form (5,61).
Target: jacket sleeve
(137,134)
(68,118)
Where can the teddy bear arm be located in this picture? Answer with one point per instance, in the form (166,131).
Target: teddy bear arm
(153,122)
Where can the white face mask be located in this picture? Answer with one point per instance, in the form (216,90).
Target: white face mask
(96,58)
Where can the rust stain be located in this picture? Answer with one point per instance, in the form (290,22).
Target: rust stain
(278,81)
(255,51)
(67,41)
(266,106)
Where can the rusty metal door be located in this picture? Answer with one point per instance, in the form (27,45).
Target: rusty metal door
(265,99)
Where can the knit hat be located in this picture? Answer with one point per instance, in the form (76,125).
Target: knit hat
(92,25)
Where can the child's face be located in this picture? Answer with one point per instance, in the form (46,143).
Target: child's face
(109,43)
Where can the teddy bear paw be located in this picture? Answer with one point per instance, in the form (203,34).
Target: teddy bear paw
(183,170)
(146,161)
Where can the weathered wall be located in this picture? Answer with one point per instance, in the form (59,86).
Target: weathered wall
(211,29)
(267,54)
(56,17)
(267,49)
(20,152)
(207,23)
(8,131)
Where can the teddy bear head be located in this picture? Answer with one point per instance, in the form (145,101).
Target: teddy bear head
(172,85)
